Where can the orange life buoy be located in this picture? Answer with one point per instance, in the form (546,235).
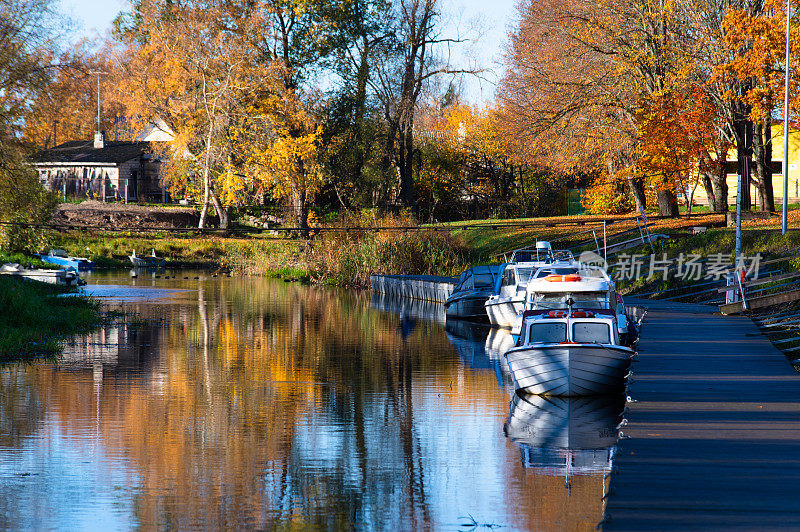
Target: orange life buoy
(555,278)
(582,314)
(556,314)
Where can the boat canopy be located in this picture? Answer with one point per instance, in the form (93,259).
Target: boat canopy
(479,278)
(597,330)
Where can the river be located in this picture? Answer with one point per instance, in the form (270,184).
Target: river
(220,402)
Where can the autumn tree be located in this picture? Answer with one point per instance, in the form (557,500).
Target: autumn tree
(754,35)
(230,80)
(67,109)
(183,68)
(564,103)
(362,36)
(27,50)
(583,76)
(402,77)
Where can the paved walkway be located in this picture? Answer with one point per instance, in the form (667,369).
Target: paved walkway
(712,440)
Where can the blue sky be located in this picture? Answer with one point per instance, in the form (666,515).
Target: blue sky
(492,18)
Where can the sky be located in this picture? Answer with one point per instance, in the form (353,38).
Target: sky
(490,18)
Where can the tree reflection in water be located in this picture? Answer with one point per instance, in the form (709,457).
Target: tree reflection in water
(255,403)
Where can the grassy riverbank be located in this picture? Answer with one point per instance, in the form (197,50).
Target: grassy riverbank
(348,258)
(767,245)
(33,319)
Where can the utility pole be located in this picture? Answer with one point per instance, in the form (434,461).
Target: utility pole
(786,129)
(98,72)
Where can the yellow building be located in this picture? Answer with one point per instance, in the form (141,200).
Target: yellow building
(700,197)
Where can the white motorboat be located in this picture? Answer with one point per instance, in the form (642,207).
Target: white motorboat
(504,307)
(474,287)
(588,286)
(570,352)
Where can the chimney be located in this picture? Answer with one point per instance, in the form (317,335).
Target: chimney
(98,139)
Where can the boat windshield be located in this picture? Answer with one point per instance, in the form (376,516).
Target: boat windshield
(558,300)
(587,332)
(531,255)
(509,277)
(548,332)
(478,278)
(524,275)
(544,272)
(483,280)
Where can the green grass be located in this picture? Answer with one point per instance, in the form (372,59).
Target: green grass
(112,251)
(767,244)
(34,320)
(21,258)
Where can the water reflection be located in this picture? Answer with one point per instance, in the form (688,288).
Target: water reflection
(567,437)
(248,403)
(406,308)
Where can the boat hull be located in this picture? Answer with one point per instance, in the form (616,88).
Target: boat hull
(569,369)
(470,307)
(80,264)
(504,312)
(147,262)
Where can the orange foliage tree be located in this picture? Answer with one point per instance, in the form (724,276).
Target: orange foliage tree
(753,77)
(67,110)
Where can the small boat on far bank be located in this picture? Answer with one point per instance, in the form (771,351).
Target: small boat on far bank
(151,261)
(62,258)
(66,277)
(474,287)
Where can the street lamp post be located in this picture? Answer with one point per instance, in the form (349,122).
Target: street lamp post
(786,129)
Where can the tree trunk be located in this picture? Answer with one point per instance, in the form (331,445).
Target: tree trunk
(666,198)
(300,208)
(762,151)
(222,212)
(388,154)
(709,188)
(720,182)
(206,199)
(359,110)
(406,165)
(744,152)
(636,186)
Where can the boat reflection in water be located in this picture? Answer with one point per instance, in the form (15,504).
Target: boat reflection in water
(469,339)
(565,436)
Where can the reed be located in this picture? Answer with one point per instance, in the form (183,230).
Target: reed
(348,259)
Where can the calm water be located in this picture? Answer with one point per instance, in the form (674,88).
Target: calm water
(250,403)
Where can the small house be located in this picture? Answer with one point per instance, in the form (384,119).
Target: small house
(103,170)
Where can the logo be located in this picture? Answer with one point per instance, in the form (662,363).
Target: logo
(590,258)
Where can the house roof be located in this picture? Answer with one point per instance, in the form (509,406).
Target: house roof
(84,152)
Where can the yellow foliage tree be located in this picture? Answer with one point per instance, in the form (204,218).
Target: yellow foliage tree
(214,71)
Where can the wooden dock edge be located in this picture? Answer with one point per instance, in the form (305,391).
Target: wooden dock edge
(424,287)
(761,302)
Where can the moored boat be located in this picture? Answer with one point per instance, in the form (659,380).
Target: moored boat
(65,277)
(570,352)
(508,301)
(474,287)
(62,258)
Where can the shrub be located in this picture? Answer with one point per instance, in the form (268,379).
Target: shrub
(607,196)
